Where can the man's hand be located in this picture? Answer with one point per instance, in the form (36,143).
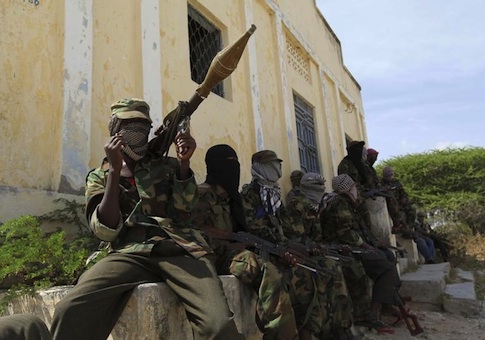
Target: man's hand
(113,151)
(184,145)
(289,259)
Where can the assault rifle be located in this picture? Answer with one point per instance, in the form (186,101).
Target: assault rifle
(342,249)
(372,193)
(371,239)
(404,314)
(265,247)
(334,251)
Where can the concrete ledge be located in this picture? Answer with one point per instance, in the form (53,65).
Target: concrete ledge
(426,284)
(153,311)
(460,298)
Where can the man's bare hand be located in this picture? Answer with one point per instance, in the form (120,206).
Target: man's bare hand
(289,259)
(112,148)
(184,145)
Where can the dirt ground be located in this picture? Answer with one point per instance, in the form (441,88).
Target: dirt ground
(437,325)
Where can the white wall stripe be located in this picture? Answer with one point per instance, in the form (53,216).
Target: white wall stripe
(151,59)
(77,93)
(254,80)
(330,128)
(307,47)
(287,93)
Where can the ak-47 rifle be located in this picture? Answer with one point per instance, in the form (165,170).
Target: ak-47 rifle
(372,193)
(223,64)
(408,317)
(266,247)
(371,239)
(333,251)
(404,313)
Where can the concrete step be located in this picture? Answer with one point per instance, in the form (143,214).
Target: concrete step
(427,284)
(461,298)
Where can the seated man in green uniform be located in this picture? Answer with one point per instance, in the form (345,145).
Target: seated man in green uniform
(266,217)
(220,207)
(304,210)
(141,202)
(342,224)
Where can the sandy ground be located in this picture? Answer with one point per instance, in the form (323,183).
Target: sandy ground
(437,326)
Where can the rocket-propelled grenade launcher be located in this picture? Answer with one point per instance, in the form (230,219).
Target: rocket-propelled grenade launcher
(223,64)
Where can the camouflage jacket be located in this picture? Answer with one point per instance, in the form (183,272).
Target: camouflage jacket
(154,206)
(213,210)
(300,209)
(260,223)
(347,167)
(396,188)
(339,222)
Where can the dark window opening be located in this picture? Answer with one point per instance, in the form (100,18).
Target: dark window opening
(307,141)
(205,42)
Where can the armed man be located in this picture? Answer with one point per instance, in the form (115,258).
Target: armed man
(220,207)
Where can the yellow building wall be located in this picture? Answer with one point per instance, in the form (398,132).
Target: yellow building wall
(66,62)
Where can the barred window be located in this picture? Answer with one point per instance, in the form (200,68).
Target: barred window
(204,42)
(305,129)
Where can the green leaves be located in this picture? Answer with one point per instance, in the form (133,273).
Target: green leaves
(451,181)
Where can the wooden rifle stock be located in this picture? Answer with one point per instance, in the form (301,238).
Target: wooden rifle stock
(223,64)
(414,328)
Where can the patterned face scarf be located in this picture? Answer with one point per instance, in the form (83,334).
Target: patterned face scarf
(267,176)
(135,135)
(312,185)
(342,184)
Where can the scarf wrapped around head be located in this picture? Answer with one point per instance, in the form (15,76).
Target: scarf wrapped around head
(355,152)
(341,184)
(135,133)
(223,169)
(312,185)
(266,171)
(387,173)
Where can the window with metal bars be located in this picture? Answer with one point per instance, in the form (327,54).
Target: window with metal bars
(305,129)
(204,42)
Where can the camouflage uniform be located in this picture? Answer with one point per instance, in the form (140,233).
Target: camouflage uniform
(274,312)
(338,303)
(153,242)
(305,288)
(364,182)
(340,224)
(399,206)
(23,327)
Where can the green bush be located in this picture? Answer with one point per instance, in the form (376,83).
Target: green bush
(449,183)
(39,259)
(31,259)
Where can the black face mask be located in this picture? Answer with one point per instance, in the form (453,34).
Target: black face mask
(355,156)
(223,169)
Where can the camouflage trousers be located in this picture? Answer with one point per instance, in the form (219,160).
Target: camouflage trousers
(336,300)
(306,290)
(23,326)
(358,287)
(321,302)
(274,311)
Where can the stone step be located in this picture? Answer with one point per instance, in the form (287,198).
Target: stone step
(427,284)
(461,298)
